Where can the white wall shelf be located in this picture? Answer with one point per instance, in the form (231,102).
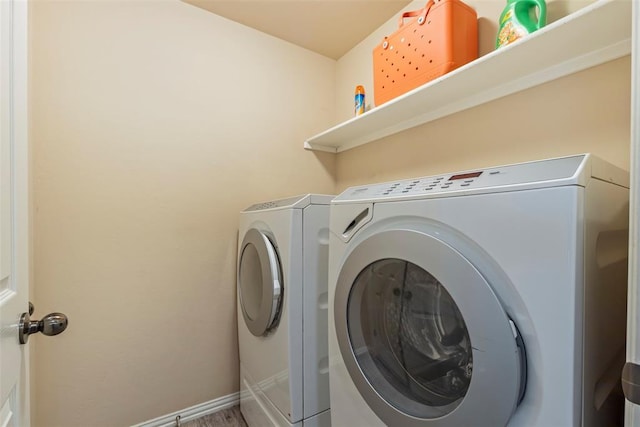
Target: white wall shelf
(596,34)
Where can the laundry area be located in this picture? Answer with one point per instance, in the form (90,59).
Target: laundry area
(319,213)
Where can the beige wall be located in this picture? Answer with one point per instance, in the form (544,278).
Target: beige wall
(586,112)
(153,123)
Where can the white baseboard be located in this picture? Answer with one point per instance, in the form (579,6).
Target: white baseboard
(193,412)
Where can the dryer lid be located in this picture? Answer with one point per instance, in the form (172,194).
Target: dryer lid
(296,202)
(260,287)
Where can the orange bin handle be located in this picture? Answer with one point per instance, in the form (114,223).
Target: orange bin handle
(420,12)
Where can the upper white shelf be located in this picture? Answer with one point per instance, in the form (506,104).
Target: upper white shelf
(593,35)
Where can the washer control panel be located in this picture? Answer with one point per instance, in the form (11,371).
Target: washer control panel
(500,176)
(433,184)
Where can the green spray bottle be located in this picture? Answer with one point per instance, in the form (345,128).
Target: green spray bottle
(518,19)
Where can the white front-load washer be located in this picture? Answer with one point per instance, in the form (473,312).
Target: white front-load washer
(489,297)
(282,312)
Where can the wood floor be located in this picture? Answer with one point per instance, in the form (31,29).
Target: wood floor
(230,417)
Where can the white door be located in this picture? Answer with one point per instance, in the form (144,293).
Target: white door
(14,219)
(631,373)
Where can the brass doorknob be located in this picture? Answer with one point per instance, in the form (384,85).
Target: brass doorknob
(51,324)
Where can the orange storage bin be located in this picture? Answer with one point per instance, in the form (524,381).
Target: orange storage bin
(439,38)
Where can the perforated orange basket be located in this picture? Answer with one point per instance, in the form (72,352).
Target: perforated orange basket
(439,38)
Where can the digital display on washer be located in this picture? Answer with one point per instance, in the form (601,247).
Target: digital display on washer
(466,175)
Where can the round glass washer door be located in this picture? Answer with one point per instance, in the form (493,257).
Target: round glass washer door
(259,283)
(423,336)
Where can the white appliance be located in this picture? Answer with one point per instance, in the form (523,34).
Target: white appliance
(282,312)
(489,297)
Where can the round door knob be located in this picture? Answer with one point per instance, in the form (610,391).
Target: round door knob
(51,324)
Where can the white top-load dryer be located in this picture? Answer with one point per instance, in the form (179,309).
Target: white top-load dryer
(488,297)
(282,312)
